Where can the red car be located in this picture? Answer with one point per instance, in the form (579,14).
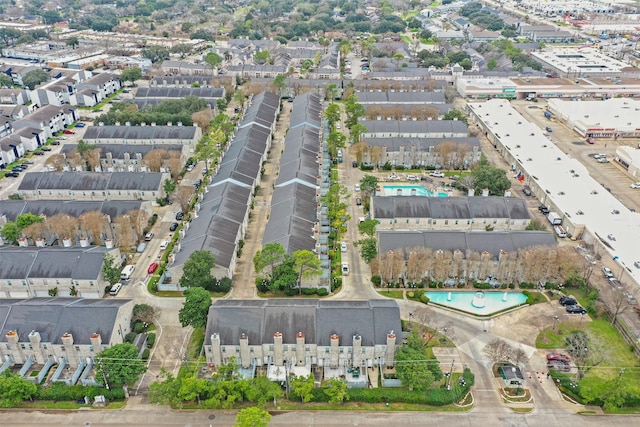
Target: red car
(558,357)
(152,267)
(68,132)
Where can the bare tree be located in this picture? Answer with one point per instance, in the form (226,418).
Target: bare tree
(498,350)
(63,226)
(358,149)
(56,161)
(94,224)
(462,151)
(74,159)
(203,118)
(586,350)
(184,194)
(442,265)
(174,164)
(36,230)
(468,182)
(139,220)
(125,235)
(154,159)
(617,305)
(379,65)
(519,356)
(92,157)
(445,150)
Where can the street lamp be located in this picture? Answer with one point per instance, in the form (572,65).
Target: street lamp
(555,320)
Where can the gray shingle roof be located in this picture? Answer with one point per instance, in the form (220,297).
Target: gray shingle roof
(449,207)
(400,97)
(51,263)
(119,150)
(91,181)
(421,144)
(477,241)
(131,133)
(12,208)
(53,317)
(415,126)
(317,319)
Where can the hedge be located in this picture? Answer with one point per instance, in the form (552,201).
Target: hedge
(425,299)
(61,392)
(151,339)
(322,292)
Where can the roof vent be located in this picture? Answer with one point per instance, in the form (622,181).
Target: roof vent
(615,212)
(580,213)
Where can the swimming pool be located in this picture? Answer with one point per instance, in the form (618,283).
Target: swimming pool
(478,302)
(409,190)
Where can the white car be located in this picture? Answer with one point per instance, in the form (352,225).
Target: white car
(412,178)
(635,185)
(164,244)
(343,247)
(394,177)
(338,125)
(356,187)
(436,174)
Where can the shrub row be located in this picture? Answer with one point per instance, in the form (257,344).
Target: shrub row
(62,392)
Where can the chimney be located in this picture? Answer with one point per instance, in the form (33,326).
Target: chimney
(40,242)
(216,349)
(67,339)
(84,242)
(507,193)
(357,351)
(335,351)
(278,349)
(35,339)
(300,350)
(471,192)
(66,242)
(12,337)
(67,342)
(22,242)
(391,349)
(108,243)
(485,192)
(96,342)
(245,358)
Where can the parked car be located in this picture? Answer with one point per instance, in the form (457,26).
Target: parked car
(343,247)
(179,216)
(80,125)
(607,272)
(46,148)
(39,153)
(412,178)
(164,244)
(543,209)
(28,162)
(559,365)
(526,191)
(148,237)
(436,174)
(394,177)
(558,357)
(153,267)
(173,226)
(56,142)
(12,174)
(576,309)
(548,128)
(635,185)
(190,167)
(565,300)
(68,132)
(359,201)
(354,164)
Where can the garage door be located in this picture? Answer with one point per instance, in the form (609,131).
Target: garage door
(16,294)
(42,293)
(90,295)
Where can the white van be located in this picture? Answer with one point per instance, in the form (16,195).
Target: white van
(127,272)
(115,289)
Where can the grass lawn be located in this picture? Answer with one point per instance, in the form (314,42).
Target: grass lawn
(195,343)
(362,406)
(618,352)
(392,294)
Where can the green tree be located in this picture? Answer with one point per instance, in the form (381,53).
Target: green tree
(335,140)
(10,232)
(25,220)
(165,392)
(354,110)
(536,225)
(195,308)
(252,417)
(155,53)
(214,60)
(302,387)
(191,388)
(280,83)
(110,269)
(119,365)
(455,115)
(131,74)
(169,186)
(270,255)
(368,185)
(197,269)
(368,227)
(5,81)
(368,249)
(331,92)
(490,177)
(284,275)
(144,313)
(307,263)
(336,390)
(262,57)
(356,132)
(186,27)
(413,370)
(14,389)
(492,64)
(34,77)
(84,147)
(73,42)
(262,390)
(332,114)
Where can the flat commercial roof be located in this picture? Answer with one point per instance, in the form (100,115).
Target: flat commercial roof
(566,182)
(614,113)
(580,61)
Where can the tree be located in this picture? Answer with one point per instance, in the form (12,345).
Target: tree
(489,177)
(252,417)
(536,225)
(154,158)
(119,365)
(14,389)
(455,115)
(307,263)
(34,77)
(131,74)
(73,42)
(336,390)
(196,271)
(262,390)
(492,64)
(144,313)
(368,227)
(25,220)
(302,387)
(413,370)
(262,57)
(213,60)
(280,83)
(368,185)
(10,232)
(195,309)
(332,114)
(368,249)
(498,350)
(5,81)
(110,269)
(183,196)
(155,53)
(586,351)
(270,255)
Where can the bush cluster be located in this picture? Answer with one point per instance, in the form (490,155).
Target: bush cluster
(62,392)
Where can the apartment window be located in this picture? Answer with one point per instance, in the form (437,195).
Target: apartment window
(446,222)
(224,349)
(293,348)
(9,282)
(327,350)
(364,350)
(286,348)
(90,283)
(341,350)
(62,347)
(24,283)
(91,348)
(417,221)
(44,346)
(77,348)
(271,347)
(22,346)
(251,350)
(307,348)
(30,347)
(349,350)
(57,282)
(495,221)
(456,222)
